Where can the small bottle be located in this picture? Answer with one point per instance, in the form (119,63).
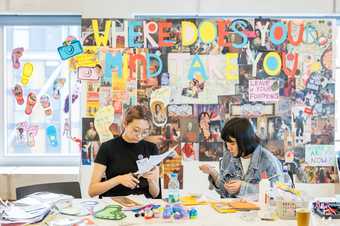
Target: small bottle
(264,186)
(286,178)
(173,189)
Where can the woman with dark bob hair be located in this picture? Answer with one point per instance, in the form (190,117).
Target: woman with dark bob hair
(245,162)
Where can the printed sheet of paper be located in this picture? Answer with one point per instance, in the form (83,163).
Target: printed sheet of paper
(102,122)
(320,155)
(263,90)
(147,164)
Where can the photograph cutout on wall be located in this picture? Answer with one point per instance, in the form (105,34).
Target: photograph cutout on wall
(90,142)
(210,151)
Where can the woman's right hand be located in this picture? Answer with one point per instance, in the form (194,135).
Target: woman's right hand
(128,180)
(206,168)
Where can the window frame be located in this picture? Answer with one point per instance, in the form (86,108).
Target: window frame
(12,159)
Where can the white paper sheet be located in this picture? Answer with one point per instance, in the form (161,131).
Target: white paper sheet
(147,164)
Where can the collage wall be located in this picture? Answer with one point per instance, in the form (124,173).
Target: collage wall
(195,74)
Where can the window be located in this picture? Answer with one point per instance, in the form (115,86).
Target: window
(35,87)
(337,74)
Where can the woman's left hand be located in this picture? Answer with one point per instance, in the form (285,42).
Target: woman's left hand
(233,186)
(153,180)
(152,175)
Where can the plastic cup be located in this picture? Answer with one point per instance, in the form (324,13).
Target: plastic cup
(303,217)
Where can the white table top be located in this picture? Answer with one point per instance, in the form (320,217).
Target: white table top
(207,216)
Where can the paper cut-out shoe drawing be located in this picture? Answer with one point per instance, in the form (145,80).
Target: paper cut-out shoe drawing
(74,97)
(58,84)
(30,103)
(51,133)
(32,132)
(16,54)
(27,72)
(46,104)
(18,93)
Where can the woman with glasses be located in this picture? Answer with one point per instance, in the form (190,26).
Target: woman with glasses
(117,159)
(245,162)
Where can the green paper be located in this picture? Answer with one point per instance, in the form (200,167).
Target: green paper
(111,212)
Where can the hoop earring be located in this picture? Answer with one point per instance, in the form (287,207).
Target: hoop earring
(122,132)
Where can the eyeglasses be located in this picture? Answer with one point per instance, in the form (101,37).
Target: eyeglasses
(141,133)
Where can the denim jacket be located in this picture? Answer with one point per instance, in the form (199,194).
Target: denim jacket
(231,168)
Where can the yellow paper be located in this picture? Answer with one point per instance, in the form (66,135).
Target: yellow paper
(192,201)
(222,207)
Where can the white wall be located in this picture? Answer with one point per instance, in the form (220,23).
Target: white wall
(105,8)
(266,6)
(126,8)
(3,5)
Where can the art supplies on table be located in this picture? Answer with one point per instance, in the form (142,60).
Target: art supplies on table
(234,206)
(327,209)
(165,212)
(243,205)
(286,200)
(74,211)
(286,188)
(192,200)
(66,222)
(61,220)
(149,211)
(127,201)
(44,197)
(286,208)
(178,212)
(76,208)
(35,207)
(11,213)
(111,212)
(222,207)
